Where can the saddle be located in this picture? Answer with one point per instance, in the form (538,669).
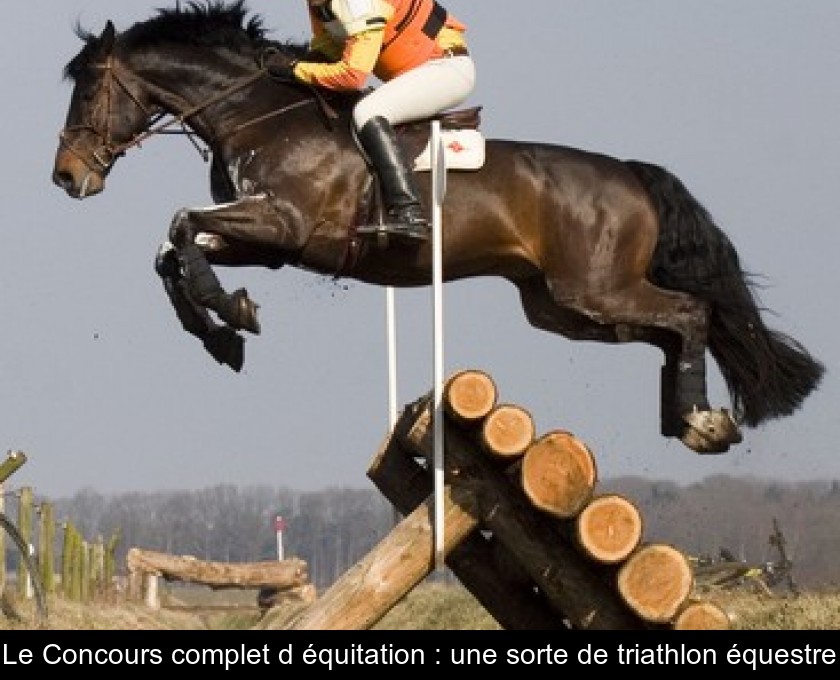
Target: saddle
(463,143)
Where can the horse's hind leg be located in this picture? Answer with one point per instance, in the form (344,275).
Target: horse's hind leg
(678,323)
(223,343)
(543,312)
(672,321)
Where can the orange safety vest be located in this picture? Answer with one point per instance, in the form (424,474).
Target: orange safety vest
(411,36)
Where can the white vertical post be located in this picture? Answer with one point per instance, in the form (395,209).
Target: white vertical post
(438,191)
(279,526)
(152,592)
(29,590)
(391,324)
(438,170)
(391,321)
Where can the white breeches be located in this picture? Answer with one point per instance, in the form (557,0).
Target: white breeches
(435,86)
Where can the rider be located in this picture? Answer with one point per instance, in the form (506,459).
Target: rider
(418,51)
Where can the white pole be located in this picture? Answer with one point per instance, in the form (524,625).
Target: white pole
(391,323)
(438,190)
(29,590)
(279,525)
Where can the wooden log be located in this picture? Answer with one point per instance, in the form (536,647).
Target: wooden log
(507,431)
(469,395)
(289,573)
(273,597)
(609,528)
(371,588)
(482,564)
(655,582)
(701,615)
(504,433)
(722,573)
(562,573)
(559,474)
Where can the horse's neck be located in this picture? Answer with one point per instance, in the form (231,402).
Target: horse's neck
(208,101)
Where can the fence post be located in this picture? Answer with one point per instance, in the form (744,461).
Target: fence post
(150,588)
(76,563)
(110,566)
(2,542)
(46,540)
(25,529)
(13,461)
(66,559)
(97,567)
(85,571)
(72,563)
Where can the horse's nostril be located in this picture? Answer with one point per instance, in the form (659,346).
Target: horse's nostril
(62,178)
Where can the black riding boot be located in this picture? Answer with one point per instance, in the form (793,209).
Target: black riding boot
(403,211)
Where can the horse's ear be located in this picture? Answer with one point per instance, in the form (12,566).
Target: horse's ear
(109,34)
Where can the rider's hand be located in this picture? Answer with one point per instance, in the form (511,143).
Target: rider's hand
(279,65)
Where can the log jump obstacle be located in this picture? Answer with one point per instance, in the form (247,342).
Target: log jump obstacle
(526,530)
(279,579)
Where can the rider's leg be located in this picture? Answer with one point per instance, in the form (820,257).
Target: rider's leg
(422,92)
(403,210)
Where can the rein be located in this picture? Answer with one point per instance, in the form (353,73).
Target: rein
(108,152)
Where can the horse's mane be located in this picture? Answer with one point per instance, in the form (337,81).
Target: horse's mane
(211,23)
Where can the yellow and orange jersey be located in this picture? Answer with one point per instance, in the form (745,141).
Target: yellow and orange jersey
(380,37)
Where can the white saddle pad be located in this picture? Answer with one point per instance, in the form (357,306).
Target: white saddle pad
(463,150)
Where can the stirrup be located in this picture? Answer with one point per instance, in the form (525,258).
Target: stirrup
(398,230)
(405,222)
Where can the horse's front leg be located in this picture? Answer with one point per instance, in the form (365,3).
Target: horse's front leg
(240,220)
(258,230)
(223,343)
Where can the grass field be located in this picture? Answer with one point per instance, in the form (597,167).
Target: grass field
(427,607)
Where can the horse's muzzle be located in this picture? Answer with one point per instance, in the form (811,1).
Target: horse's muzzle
(76,177)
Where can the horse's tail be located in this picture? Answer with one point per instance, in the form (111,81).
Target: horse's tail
(768,374)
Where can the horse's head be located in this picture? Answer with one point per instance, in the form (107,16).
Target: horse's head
(184,62)
(105,116)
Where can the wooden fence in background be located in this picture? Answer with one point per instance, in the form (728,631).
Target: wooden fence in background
(80,569)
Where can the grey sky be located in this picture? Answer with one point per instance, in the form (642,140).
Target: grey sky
(102,389)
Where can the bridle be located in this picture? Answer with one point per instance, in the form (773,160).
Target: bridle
(109,150)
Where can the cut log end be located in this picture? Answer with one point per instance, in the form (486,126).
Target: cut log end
(559,474)
(507,431)
(469,395)
(609,529)
(702,615)
(655,582)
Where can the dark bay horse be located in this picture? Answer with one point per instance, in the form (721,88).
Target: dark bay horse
(600,249)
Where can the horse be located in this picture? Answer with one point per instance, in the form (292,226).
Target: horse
(600,249)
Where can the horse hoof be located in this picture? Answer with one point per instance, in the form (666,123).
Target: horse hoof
(244,314)
(710,432)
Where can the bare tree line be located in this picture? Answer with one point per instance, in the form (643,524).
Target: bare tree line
(333,528)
